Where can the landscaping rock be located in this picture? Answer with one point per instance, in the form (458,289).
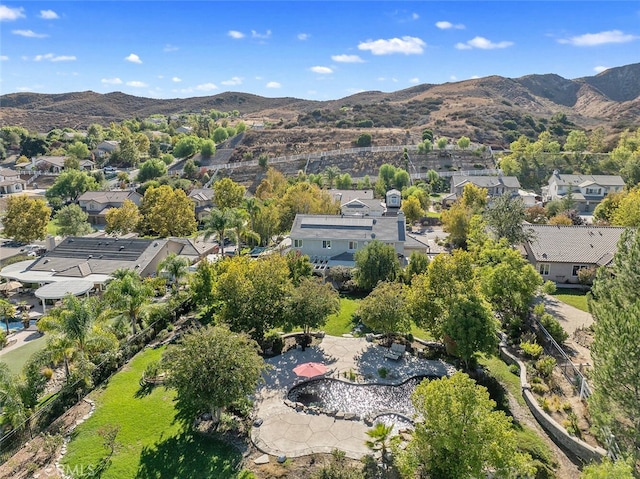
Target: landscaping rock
(282,459)
(340,415)
(264,459)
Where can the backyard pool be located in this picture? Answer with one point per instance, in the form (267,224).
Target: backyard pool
(330,394)
(15,325)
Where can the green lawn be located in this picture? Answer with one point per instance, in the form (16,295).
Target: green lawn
(16,358)
(52,227)
(573,297)
(500,370)
(151,443)
(342,323)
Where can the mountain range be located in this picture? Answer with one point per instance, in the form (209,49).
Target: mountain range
(485,109)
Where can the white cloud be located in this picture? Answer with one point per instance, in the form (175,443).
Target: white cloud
(111,81)
(347,59)
(453,78)
(273,84)
(406,45)
(54,58)
(176,79)
(137,84)
(483,44)
(3,58)
(206,87)
(321,70)
(235,34)
(262,36)
(48,15)
(29,34)
(415,80)
(415,16)
(600,69)
(474,77)
(233,81)
(444,25)
(170,48)
(594,39)
(303,36)
(8,14)
(25,88)
(133,58)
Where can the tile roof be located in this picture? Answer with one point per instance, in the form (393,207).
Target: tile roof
(344,196)
(586,180)
(347,228)
(486,181)
(115,196)
(574,244)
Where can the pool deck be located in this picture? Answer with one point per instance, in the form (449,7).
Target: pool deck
(287,432)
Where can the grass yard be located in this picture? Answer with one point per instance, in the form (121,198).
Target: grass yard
(573,297)
(52,227)
(16,358)
(150,443)
(500,370)
(342,322)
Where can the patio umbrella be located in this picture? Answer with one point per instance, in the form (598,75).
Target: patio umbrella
(10,286)
(310,370)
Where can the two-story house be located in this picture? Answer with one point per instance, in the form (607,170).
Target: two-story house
(331,240)
(495,185)
(203,200)
(105,148)
(10,182)
(587,191)
(97,203)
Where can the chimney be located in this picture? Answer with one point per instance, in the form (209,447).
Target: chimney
(50,242)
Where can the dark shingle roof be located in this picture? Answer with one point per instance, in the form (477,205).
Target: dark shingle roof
(347,228)
(486,181)
(574,244)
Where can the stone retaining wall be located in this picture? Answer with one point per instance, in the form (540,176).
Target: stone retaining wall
(560,436)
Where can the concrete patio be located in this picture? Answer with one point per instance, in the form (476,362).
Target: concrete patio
(287,432)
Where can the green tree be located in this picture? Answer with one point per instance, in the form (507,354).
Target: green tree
(331,173)
(299,266)
(418,264)
(175,267)
(310,303)
(71,184)
(412,209)
(384,309)
(186,146)
(456,221)
(344,182)
(228,194)
(72,221)
(127,153)
(460,435)
(253,294)
(208,149)
(78,150)
(376,262)
(14,411)
(32,146)
(305,198)
(7,312)
(379,441)
(471,327)
(25,219)
(577,142)
(77,333)
(463,142)
(217,224)
(386,175)
(627,212)
(129,297)
(474,198)
(123,220)
(202,283)
(267,223)
(220,134)
(211,369)
(167,212)
(615,305)
(364,140)
(505,217)
(150,169)
(442,143)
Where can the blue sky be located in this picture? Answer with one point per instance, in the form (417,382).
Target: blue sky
(317,50)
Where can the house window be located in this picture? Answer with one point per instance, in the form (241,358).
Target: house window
(297,243)
(326,244)
(353,245)
(594,191)
(576,268)
(543,269)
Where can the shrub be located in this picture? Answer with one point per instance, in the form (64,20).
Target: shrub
(540,388)
(152,370)
(515,369)
(566,406)
(382,372)
(3,338)
(274,342)
(545,366)
(553,326)
(571,425)
(47,372)
(531,350)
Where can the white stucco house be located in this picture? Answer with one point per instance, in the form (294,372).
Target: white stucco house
(331,240)
(587,191)
(10,182)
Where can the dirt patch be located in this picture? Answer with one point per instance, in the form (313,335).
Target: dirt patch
(37,457)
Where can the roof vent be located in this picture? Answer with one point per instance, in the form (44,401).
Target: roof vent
(90,256)
(121,248)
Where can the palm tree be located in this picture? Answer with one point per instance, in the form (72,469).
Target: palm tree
(129,297)
(7,311)
(380,436)
(330,174)
(13,410)
(217,224)
(252,206)
(77,333)
(238,223)
(176,266)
